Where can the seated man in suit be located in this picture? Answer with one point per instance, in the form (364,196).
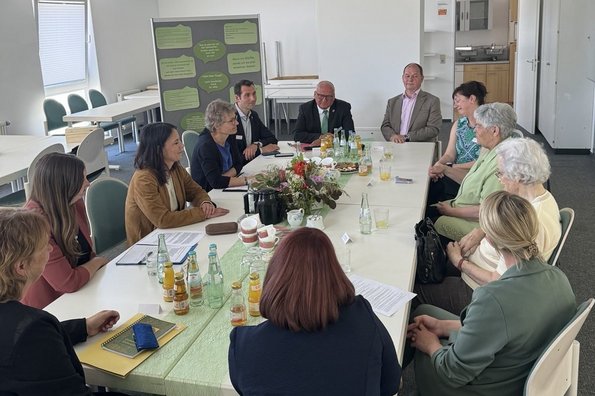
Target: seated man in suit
(322,115)
(252,136)
(413,116)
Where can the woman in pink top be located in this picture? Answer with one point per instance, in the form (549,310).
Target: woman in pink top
(57,192)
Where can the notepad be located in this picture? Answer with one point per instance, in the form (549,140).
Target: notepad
(118,364)
(123,343)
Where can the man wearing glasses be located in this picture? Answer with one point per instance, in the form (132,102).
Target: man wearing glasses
(413,116)
(322,115)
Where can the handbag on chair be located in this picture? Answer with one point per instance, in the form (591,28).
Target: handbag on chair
(431,256)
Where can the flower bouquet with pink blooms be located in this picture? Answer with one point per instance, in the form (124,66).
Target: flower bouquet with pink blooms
(302,184)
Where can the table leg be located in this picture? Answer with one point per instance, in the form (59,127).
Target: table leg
(121,139)
(275,118)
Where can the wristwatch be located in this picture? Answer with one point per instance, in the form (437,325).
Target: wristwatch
(259,144)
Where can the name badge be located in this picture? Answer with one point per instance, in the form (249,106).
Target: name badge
(239,137)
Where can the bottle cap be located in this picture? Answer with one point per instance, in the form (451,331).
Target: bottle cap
(236,285)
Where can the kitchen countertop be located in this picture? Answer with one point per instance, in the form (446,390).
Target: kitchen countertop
(482,62)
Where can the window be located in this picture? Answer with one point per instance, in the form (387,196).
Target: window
(62,27)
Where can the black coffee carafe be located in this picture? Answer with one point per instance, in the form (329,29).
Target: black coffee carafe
(270,207)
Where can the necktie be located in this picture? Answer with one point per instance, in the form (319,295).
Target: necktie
(324,122)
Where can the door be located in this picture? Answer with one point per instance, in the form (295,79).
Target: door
(546,118)
(525,93)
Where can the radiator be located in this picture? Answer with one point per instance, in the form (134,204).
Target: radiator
(120,95)
(4,127)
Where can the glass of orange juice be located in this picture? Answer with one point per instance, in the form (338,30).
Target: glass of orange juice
(385,170)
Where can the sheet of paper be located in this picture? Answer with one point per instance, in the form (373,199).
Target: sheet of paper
(385,299)
(173,238)
(136,254)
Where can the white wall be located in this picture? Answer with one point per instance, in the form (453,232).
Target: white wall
(363,49)
(497,35)
(293,23)
(21,85)
(124,45)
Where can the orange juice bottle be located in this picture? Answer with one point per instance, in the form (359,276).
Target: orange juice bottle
(254,295)
(168,282)
(238,307)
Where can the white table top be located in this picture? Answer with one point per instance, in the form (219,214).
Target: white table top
(282,95)
(387,256)
(17,152)
(150,93)
(114,111)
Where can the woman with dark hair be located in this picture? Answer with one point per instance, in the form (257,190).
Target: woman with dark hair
(57,192)
(37,354)
(491,348)
(216,160)
(462,150)
(160,187)
(319,338)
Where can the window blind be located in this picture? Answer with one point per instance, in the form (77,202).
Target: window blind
(62,41)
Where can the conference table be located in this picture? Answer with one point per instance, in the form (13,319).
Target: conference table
(113,112)
(18,151)
(195,362)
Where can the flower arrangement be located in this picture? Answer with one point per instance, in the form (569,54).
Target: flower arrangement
(301,184)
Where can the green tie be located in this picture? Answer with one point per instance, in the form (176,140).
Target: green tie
(324,122)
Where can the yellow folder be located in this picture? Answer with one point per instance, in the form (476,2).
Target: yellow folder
(94,355)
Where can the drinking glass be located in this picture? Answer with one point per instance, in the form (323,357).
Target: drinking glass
(151,263)
(385,168)
(381,218)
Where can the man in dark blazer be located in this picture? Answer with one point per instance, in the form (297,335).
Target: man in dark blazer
(413,116)
(252,137)
(322,115)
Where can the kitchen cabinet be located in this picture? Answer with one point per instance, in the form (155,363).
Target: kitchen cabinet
(473,15)
(494,76)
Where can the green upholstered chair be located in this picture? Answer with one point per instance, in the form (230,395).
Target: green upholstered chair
(97,100)
(566,219)
(54,111)
(105,200)
(189,138)
(77,103)
(556,371)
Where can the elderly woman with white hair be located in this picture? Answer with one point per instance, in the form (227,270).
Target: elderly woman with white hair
(523,167)
(216,161)
(495,122)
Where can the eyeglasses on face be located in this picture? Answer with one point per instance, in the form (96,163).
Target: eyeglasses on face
(323,97)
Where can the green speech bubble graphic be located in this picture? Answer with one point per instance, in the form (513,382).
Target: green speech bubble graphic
(181,99)
(209,50)
(243,62)
(194,121)
(257,87)
(213,81)
(240,33)
(173,37)
(176,68)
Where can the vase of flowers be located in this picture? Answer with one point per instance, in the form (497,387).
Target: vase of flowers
(302,185)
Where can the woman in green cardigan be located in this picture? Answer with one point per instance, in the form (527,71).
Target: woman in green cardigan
(492,347)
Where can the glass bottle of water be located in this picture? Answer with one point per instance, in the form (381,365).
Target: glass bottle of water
(365,217)
(194,281)
(162,256)
(214,283)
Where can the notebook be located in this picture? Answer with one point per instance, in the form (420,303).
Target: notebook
(123,343)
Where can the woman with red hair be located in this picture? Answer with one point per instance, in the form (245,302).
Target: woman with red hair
(320,338)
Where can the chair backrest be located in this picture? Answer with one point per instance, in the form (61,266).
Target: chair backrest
(105,200)
(92,152)
(97,99)
(566,218)
(556,369)
(54,148)
(189,138)
(76,103)
(54,111)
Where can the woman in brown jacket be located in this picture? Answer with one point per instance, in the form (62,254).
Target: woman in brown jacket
(160,187)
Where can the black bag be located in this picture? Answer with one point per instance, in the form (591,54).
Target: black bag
(431,257)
